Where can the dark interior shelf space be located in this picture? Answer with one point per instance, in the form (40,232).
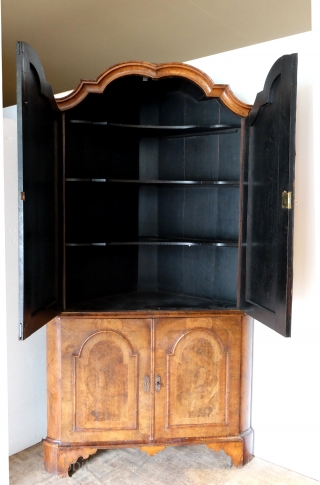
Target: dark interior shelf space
(165,131)
(168,183)
(152,200)
(151,300)
(158,241)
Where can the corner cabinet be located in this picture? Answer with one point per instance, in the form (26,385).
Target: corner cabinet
(156,219)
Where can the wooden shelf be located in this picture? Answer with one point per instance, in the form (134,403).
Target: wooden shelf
(164,131)
(151,300)
(158,241)
(169,183)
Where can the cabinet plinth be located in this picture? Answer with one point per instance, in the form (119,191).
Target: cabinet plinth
(148,381)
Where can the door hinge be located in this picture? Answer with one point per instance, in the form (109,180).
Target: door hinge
(20,331)
(22,196)
(286,200)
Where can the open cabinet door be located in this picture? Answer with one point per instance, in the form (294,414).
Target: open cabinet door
(38,194)
(267,295)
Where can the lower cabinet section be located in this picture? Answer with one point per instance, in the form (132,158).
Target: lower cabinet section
(148,381)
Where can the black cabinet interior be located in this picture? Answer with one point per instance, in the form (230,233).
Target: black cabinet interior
(152,190)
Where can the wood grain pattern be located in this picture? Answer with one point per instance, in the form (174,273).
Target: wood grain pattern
(247,437)
(106,374)
(232,449)
(97,396)
(240,451)
(197,379)
(152,450)
(246,372)
(57,459)
(54,376)
(103,364)
(156,71)
(198,360)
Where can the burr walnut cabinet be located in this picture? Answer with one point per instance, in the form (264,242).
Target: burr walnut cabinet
(156,220)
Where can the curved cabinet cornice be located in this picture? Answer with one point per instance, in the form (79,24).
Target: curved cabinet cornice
(156,71)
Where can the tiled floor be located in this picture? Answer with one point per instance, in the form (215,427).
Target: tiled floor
(184,465)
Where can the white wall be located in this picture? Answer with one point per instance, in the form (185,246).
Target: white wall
(27,407)
(26,360)
(4,469)
(286,398)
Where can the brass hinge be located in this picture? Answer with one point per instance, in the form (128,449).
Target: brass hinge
(22,196)
(286,200)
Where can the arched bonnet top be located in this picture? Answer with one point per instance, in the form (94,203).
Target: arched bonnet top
(155,71)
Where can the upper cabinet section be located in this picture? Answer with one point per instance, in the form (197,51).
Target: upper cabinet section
(159,190)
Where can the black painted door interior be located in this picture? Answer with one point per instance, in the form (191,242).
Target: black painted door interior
(270,176)
(38,194)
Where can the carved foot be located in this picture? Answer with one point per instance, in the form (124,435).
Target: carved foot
(57,460)
(234,449)
(241,452)
(152,450)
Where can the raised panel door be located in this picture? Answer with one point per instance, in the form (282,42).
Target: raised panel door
(197,361)
(104,363)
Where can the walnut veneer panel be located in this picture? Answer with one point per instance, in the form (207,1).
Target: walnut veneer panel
(103,364)
(198,360)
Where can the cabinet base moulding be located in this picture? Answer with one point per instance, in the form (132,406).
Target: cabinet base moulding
(241,452)
(58,459)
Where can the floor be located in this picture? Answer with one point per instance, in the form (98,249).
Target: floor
(184,465)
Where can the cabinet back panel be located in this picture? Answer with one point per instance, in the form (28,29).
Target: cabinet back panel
(93,152)
(211,213)
(148,159)
(172,109)
(148,211)
(171,161)
(100,212)
(229,156)
(228,213)
(225,284)
(120,103)
(201,158)
(171,212)
(199,271)
(94,272)
(205,112)
(170,269)
(148,268)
